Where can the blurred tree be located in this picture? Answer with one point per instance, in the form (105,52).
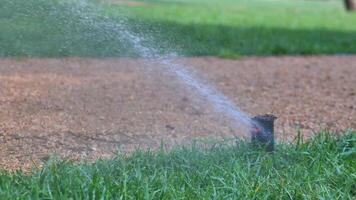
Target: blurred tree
(350,4)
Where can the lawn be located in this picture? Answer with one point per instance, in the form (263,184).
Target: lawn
(193,28)
(321,168)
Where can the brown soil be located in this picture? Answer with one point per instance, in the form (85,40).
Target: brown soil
(89,108)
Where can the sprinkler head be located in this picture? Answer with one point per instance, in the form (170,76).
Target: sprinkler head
(262,132)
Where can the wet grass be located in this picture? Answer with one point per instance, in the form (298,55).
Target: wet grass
(321,168)
(220,28)
(44,28)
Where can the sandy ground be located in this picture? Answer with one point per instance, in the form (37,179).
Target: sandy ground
(89,108)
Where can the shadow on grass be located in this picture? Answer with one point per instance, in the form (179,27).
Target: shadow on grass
(190,40)
(200,39)
(49,29)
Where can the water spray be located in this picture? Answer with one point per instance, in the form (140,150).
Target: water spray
(262,131)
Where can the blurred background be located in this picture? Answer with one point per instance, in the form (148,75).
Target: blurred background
(74,75)
(226,28)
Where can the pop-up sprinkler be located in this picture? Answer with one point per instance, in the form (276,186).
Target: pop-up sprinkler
(262,133)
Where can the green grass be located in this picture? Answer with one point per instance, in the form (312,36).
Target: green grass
(229,28)
(321,168)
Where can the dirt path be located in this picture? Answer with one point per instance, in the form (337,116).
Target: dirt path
(86,108)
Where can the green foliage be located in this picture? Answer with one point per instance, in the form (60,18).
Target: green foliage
(253,27)
(320,168)
(229,28)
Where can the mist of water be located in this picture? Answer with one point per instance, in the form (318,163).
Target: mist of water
(121,28)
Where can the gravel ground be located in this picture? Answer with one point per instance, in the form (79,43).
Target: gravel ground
(90,108)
